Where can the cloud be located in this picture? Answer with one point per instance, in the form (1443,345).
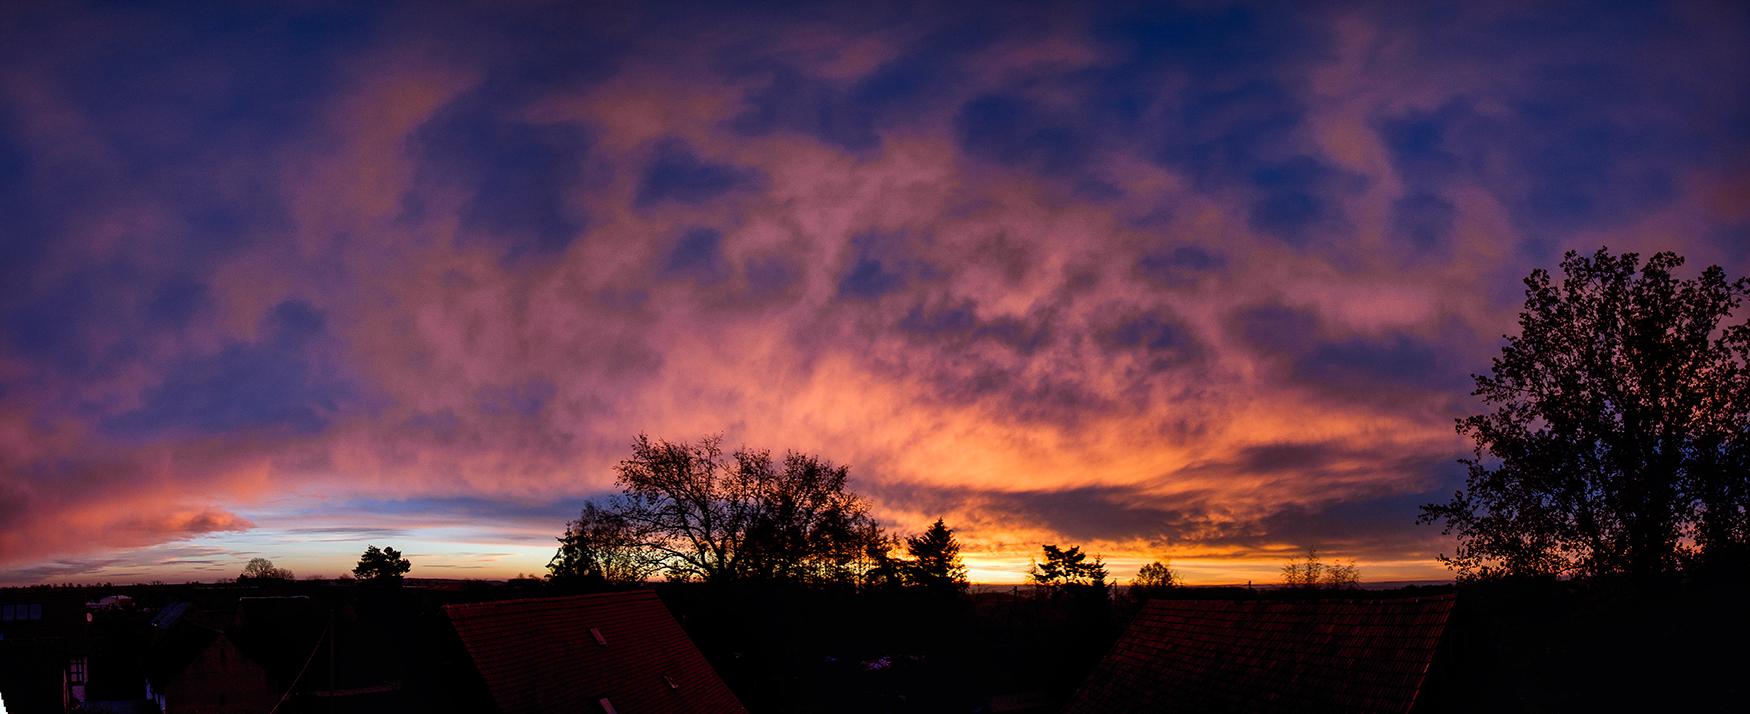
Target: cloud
(677,174)
(1300,198)
(185,524)
(792,101)
(1275,329)
(274,383)
(1345,506)
(1183,266)
(526,399)
(516,177)
(1423,219)
(1011,131)
(1400,360)
(881,263)
(697,255)
(1086,514)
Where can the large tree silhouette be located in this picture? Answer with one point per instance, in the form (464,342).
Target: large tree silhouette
(1617,441)
(694,512)
(1069,572)
(1153,580)
(383,565)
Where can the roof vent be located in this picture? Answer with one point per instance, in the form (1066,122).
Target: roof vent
(671,684)
(600,640)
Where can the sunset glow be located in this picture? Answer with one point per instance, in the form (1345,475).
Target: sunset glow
(1203,283)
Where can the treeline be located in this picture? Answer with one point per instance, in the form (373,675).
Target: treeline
(691,512)
(688,511)
(803,602)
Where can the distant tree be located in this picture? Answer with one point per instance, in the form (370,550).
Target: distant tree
(1342,576)
(702,514)
(1620,436)
(1311,572)
(1153,580)
(262,568)
(599,548)
(1070,573)
(1303,572)
(879,568)
(381,566)
(935,559)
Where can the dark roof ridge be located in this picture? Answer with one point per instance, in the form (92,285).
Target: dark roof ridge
(1269,655)
(1304,601)
(201,625)
(555,599)
(548,654)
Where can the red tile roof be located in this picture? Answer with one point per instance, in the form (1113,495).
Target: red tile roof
(1198,656)
(538,655)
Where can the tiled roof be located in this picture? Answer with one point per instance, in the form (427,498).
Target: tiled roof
(1199,656)
(539,655)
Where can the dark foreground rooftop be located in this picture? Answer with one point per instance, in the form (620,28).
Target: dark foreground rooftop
(588,653)
(1268,656)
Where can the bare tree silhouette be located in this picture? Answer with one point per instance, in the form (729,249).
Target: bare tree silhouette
(263,568)
(692,512)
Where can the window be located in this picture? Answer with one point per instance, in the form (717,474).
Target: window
(21,612)
(76,671)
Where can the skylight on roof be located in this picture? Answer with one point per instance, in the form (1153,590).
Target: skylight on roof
(599,639)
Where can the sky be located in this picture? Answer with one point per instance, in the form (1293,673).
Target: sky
(1203,281)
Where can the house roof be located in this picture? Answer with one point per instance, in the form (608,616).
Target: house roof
(183,641)
(167,616)
(1262,656)
(542,655)
(279,633)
